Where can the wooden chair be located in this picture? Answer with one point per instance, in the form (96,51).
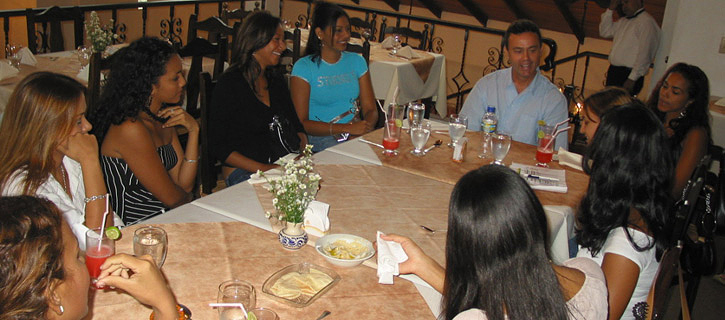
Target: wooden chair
(359,27)
(296,38)
(363,49)
(209,168)
(197,49)
(51,39)
(236,14)
(96,67)
(218,33)
(422,36)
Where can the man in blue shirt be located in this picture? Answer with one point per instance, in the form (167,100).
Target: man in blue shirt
(521,95)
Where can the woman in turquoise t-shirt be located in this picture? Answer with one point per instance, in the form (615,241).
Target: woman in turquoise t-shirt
(327,81)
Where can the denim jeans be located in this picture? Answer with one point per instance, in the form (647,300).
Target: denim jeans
(237,176)
(321,142)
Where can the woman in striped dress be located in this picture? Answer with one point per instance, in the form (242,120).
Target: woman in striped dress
(145,167)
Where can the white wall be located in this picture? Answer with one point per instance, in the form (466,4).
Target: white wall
(691,32)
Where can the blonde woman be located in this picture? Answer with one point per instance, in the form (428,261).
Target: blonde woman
(46,151)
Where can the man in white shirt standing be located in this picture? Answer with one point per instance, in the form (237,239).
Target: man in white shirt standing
(636,37)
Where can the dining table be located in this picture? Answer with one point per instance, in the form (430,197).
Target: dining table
(401,79)
(227,234)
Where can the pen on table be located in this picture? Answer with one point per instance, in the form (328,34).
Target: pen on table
(541,178)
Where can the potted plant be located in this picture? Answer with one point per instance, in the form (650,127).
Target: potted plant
(99,36)
(293,192)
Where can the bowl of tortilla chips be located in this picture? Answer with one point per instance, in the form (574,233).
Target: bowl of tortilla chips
(300,284)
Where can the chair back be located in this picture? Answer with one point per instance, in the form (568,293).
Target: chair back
(659,294)
(363,49)
(51,38)
(236,14)
(423,37)
(197,49)
(218,32)
(208,170)
(359,28)
(96,66)
(296,38)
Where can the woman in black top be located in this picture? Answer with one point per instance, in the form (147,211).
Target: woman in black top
(252,118)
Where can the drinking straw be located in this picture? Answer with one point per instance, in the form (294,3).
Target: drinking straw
(103,225)
(553,136)
(241,306)
(556,126)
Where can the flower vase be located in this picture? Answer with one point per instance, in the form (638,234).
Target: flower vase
(293,236)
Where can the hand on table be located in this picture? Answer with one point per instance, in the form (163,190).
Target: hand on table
(146,283)
(360,128)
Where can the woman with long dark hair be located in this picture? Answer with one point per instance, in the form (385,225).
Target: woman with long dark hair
(253,119)
(146,169)
(623,217)
(46,151)
(44,276)
(681,100)
(327,81)
(497,261)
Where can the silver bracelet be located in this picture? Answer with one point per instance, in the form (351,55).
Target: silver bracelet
(96,197)
(191,160)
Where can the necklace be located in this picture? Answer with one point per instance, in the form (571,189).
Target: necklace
(64,178)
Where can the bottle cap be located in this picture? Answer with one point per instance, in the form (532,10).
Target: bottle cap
(491,109)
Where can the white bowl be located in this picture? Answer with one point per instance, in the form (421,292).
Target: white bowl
(331,238)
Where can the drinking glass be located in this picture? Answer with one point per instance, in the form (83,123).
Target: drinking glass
(416,112)
(264,314)
(393,125)
(419,135)
(457,124)
(12,52)
(152,241)
(84,55)
(545,150)
(396,44)
(235,291)
(97,254)
(500,144)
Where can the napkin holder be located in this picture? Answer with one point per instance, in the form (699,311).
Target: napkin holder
(27,57)
(390,256)
(316,221)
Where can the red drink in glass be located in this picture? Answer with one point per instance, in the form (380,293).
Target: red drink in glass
(391,143)
(95,258)
(543,155)
(545,150)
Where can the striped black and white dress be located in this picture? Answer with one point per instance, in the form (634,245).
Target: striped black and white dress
(129,199)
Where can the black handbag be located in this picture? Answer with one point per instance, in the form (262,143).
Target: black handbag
(283,138)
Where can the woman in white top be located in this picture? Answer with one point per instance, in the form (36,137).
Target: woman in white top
(497,262)
(623,217)
(46,151)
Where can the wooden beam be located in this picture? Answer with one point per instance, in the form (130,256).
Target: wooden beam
(563,6)
(475,10)
(433,7)
(516,10)
(395,4)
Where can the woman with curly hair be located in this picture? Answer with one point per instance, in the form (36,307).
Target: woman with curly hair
(43,274)
(681,100)
(145,167)
(623,217)
(254,119)
(46,151)
(597,104)
(497,262)
(327,81)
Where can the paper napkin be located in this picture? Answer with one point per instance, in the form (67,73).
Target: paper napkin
(388,43)
(271,174)
(83,73)
(27,57)
(6,70)
(407,52)
(570,159)
(390,256)
(316,221)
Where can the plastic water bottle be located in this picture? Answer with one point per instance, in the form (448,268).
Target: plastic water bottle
(489,122)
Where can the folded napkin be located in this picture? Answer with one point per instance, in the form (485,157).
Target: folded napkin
(570,159)
(271,174)
(388,43)
(83,73)
(316,221)
(407,52)
(7,71)
(27,57)
(390,256)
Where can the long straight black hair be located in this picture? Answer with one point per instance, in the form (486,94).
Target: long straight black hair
(496,250)
(630,167)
